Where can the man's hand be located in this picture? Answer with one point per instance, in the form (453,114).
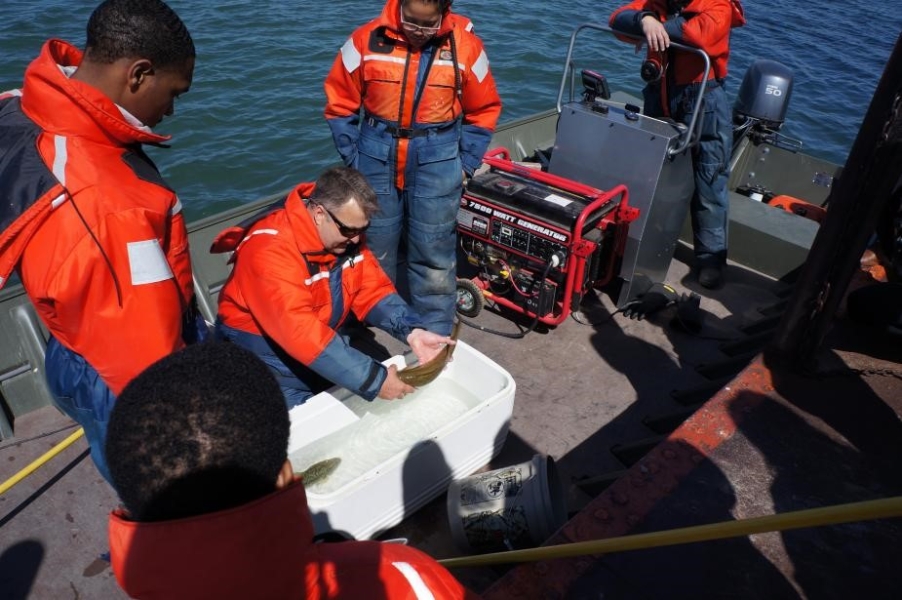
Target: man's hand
(426,345)
(393,388)
(655,34)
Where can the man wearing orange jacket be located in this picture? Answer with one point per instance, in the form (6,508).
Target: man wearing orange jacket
(232,521)
(299,272)
(673,86)
(429,104)
(97,236)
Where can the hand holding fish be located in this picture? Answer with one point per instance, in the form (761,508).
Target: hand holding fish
(393,387)
(425,372)
(427,345)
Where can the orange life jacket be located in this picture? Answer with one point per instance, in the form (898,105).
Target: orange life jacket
(292,303)
(708,25)
(98,237)
(265,549)
(377,69)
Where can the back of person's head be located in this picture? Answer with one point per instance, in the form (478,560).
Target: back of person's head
(201,430)
(138,29)
(337,185)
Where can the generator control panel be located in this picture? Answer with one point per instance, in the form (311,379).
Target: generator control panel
(534,242)
(531,218)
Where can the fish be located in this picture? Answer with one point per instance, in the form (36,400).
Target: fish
(420,375)
(320,471)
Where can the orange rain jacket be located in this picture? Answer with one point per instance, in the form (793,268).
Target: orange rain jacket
(98,237)
(265,549)
(704,24)
(377,69)
(285,285)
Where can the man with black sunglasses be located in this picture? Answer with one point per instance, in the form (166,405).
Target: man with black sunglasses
(300,270)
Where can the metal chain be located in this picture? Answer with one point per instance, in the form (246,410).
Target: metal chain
(853,372)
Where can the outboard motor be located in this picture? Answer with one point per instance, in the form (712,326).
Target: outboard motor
(764,95)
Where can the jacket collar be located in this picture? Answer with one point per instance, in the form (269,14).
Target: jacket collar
(263,549)
(302,226)
(66,106)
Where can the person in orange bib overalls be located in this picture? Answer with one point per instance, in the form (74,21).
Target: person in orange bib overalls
(429,108)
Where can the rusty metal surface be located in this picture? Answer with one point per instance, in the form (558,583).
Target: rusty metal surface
(770,442)
(870,182)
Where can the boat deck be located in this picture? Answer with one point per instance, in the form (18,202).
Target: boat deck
(598,397)
(755,444)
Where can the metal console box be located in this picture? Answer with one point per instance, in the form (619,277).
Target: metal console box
(602,145)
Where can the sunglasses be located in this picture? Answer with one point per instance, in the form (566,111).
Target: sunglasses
(413,28)
(346,231)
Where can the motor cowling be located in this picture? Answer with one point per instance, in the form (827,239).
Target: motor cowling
(764,94)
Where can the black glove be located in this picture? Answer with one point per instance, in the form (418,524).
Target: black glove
(658,296)
(689,315)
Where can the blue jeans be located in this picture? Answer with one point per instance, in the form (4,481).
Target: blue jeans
(421,218)
(294,387)
(711,164)
(81,393)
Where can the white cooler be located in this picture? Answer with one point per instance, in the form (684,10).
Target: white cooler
(397,456)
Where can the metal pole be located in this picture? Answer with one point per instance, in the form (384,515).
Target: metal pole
(865,186)
(813,517)
(36,464)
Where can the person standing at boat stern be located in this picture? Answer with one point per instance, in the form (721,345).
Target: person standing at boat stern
(674,81)
(211,507)
(96,234)
(412,104)
(300,270)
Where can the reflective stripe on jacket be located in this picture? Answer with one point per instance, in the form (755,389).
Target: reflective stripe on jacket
(97,235)
(378,70)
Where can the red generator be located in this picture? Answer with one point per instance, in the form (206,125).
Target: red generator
(535,241)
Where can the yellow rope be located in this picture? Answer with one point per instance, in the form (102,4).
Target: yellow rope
(36,464)
(830,515)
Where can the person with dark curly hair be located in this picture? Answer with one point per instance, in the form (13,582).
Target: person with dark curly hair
(197,448)
(197,432)
(96,234)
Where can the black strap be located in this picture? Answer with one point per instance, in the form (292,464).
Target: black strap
(419,92)
(407,132)
(375,369)
(458,85)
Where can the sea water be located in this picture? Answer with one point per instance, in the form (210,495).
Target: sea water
(385,429)
(252,124)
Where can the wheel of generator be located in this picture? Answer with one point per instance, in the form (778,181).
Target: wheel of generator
(469,298)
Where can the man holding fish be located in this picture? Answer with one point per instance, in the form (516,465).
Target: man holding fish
(299,271)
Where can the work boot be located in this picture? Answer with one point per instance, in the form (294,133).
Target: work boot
(711,277)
